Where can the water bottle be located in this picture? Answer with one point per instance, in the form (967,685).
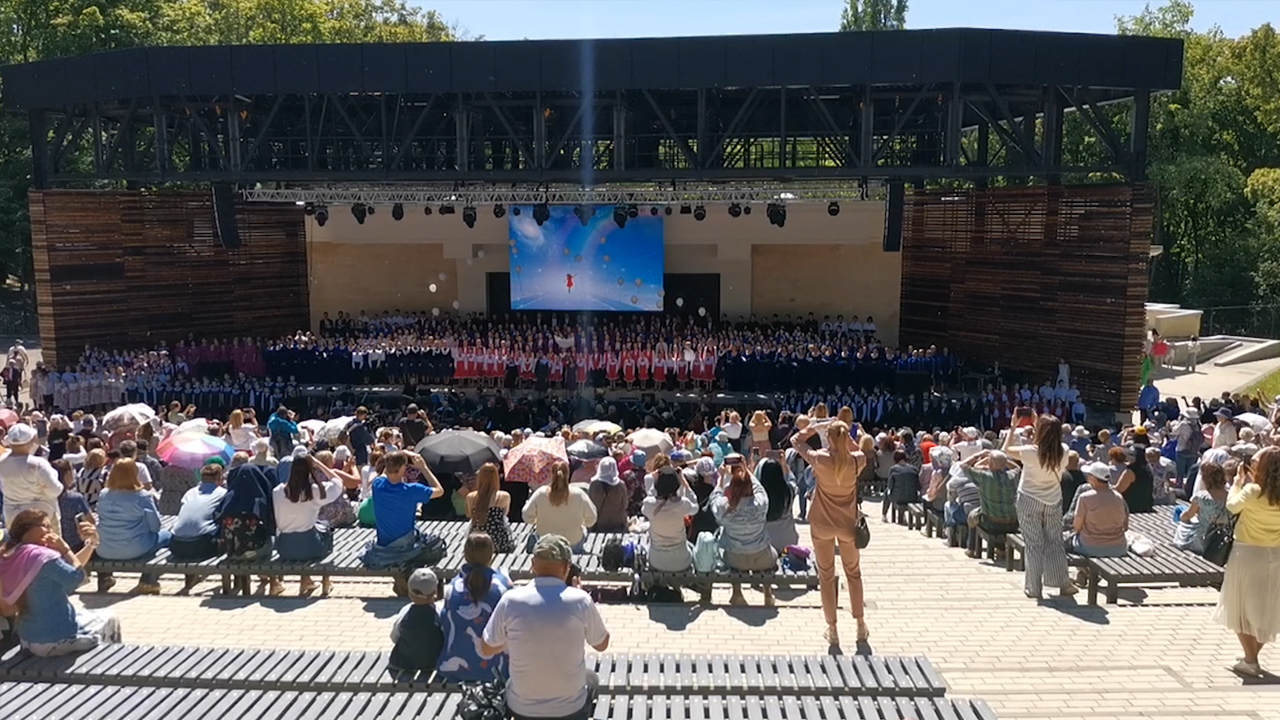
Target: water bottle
(1177,514)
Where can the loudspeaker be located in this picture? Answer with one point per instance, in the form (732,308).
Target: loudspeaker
(224,215)
(893,218)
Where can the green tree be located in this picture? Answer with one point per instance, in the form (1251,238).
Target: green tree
(873,15)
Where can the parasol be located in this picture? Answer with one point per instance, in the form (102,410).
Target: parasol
(592,427)
(191,450)
(531,461)
(312,426)
(8,418)
(1255,421)
(652,441)
(193,425)
(332,429)
(127,417)
(458,451)
(587,450)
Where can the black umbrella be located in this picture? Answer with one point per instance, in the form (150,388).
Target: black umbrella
(587,450)
(459,451)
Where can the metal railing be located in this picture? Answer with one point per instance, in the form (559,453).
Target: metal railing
(1261,321)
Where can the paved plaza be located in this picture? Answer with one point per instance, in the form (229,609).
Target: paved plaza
(1155,655)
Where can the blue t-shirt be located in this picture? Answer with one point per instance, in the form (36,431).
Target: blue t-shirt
(395,507)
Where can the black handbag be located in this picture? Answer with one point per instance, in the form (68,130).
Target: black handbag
(483,701)
(1219,541)
(862,533)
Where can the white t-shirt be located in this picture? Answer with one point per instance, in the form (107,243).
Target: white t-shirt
(543,626)
(301,516)
(242,437)
(570,520)
(966,449)
(732,429)
(29,482)
(1037,482)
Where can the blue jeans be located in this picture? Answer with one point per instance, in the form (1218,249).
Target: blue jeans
(802,490)
(161,542)
(1183,464)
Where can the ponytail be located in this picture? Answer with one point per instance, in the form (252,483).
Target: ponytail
(478,552)
(838,444)
(559,483)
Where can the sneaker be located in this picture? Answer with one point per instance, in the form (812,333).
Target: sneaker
(145,589)
(1068,590)
(1244,667)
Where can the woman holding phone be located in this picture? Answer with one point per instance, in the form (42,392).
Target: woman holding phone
(1039,506)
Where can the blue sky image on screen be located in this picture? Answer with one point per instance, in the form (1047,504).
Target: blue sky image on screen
(565,265)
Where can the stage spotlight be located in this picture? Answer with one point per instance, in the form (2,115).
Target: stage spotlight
(666,210)
(632,211)
(620,216)
(699,213)
(499,210)
(735,210)
(359,212)
(426,210)
(371,208)
(515,210)
(469,216)
(446,210)
(685,209)
(397,212)
(746,209)
(777,213)
(582,213)
(653,210)
(833,208)
(322,216)
(309,209)
(541,213)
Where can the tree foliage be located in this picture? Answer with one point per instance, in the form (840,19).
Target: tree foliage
(873,15)
(42,29)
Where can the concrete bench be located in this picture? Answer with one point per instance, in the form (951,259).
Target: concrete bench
(71,702)
(359,671)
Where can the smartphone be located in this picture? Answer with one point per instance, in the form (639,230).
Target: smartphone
(82,517)
(574,573)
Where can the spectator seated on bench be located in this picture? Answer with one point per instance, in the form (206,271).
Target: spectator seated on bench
(469,600)
(935,493)
(741,508)
(997,495)
(195,534)
(1208,508)
(672,502)
(1101,519)
(416,631)
(129,523)
(562,509)
(38,573)
(903,487)
(395,506)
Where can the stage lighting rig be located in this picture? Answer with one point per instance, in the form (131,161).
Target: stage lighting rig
(620,216)
(699,213)
(359,212)
(469,216)
(499,210)
(777,213)
(446,210)
(541,213)
(322,215)
(833,208)
(426,210)
(735,210)
(397,212)
(582,213)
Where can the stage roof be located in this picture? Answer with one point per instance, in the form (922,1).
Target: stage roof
(1109,64)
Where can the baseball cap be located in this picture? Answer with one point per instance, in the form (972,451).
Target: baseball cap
(1100,470)
(20,434)
(553,547)
(422,583)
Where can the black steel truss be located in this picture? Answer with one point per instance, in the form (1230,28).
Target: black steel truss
(953,130)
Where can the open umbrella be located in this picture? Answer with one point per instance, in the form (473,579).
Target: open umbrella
(587,450)
(127,417)
(531,461)
(312,426)
(191,450)
(592,427)
(8,418)
(652,441)
(458,451)
(334,428)
(194,425)
(1259,423)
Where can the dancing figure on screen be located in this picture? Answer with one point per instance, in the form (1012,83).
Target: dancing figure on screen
(568,283)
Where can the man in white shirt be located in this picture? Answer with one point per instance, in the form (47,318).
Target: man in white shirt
(542,627)
(970,446)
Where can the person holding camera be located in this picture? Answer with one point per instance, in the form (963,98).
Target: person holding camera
(1251,585)
(741,506)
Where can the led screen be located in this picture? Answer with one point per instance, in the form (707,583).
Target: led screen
(566,264)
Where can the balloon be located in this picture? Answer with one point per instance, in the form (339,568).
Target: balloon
(679,302)
(662,293)
(456,304)
(435,312)
(443,276)
(515,251)
(702,312)
(512,243)
(566,251)
(634,300)
(639,282)
(480,252)
(621,282)
(577,258)
(606,258)
(432,287)
(604,239)
(519,268)
(470,261)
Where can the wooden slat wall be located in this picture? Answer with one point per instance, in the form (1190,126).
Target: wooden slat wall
(128,269)
(1025,276)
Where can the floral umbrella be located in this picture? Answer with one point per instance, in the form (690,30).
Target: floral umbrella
(127,417)
(595,427)
(531,461)
(191,450)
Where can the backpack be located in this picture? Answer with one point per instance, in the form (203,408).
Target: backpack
(706,553)
(242,536)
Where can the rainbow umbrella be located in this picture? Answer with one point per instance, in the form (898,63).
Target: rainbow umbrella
(531,461)
(191,450)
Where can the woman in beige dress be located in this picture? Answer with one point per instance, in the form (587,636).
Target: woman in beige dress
(833,518)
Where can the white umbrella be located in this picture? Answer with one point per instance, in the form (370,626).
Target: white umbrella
(652,441)
(127,417)
(312,426)
(197,424)
(1255,421)
(594,427)
(334,428)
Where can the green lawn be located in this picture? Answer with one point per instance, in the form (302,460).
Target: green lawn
(1268,387)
